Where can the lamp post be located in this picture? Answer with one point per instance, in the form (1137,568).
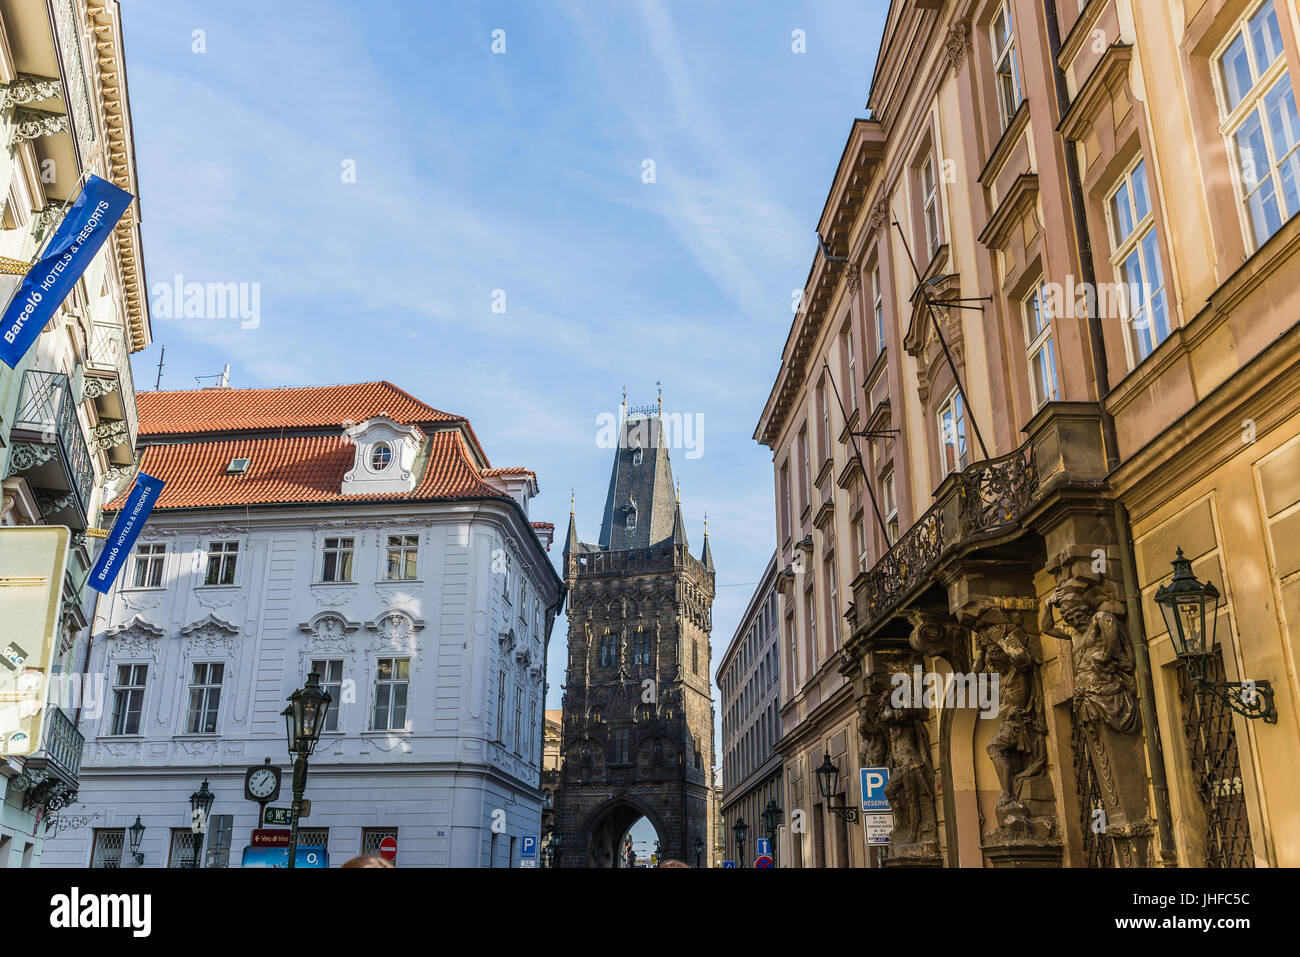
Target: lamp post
(136,832)
(303,718)
(699,851)
(828,782)
(740,829)
(200,807)
(1191,611)
(772,818)
(555,849)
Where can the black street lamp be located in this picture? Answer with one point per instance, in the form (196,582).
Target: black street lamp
(136,832)
(555,849)
(200,807)
(740,829)
(1191,611)
(828,782)
(303,719)
(772,819)
(699,850)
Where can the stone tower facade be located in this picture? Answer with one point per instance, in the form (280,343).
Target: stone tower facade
(637,711)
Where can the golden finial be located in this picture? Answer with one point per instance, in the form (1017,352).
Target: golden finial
(571,497)
(679,491)
(706,524)
(660,386)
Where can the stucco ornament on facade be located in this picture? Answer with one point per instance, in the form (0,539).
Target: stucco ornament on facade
(957,43)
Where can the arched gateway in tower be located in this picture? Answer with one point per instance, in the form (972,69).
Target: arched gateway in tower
(638,716)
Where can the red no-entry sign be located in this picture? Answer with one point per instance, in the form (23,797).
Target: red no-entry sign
(388,848)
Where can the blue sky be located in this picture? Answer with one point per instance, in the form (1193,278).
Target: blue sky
(520,171)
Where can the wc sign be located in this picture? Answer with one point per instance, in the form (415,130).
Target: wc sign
(873,790)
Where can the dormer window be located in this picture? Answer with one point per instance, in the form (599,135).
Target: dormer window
(380,456)
(237,467)
(385,454)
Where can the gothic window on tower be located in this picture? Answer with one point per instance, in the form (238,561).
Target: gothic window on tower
(637,455)
(606,650)
(642,648)
(695,656)
(631,518)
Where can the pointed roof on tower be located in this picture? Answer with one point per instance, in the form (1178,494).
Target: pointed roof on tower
(706,557)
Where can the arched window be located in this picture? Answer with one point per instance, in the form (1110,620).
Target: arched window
(641,649)
(606,650)
(631,518)
(637,456)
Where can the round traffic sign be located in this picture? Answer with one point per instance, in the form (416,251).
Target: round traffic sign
(763,860)
(388,848)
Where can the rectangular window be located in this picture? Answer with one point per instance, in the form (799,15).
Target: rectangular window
(403,551)
(832,612)
(1260,123)
(889,505)
(811,604)
(620,746)
(337,566)
(807,469)
(331,682)
(852,369)
(519,718)
(149,566)
(1006,70)
(372,837)
(952,433)
(695,656)
(205,697)
(221,563)
(1039,350)
(392,678)
(220,832)
(128,699)
(314,837)
(185,848)
(106,850)
(785,501)
(860,542)
(501,706)
(878,308)
(1135,257)
(930,203)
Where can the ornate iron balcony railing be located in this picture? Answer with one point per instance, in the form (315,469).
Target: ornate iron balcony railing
(110,354)
(986,497)
(46,405)
(63,742)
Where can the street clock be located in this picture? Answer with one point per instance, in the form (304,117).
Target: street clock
(262,783)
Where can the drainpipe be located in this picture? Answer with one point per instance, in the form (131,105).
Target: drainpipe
(1110,441)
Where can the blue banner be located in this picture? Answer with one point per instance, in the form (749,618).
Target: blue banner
(279,857)
(84,229)
(125,531)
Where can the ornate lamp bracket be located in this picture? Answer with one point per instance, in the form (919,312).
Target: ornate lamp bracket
(1251,699)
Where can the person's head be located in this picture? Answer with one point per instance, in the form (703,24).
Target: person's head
(675,864)
(368,860)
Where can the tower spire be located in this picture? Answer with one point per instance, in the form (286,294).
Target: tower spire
(706,556)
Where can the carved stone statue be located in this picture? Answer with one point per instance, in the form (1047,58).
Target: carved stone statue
(874,748)
(1018,750)
(1093,622)
(910,790)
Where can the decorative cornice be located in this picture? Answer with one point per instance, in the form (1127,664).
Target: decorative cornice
(136,624)
(210,620)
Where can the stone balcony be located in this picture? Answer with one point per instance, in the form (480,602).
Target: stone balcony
(984,510)
(108,384)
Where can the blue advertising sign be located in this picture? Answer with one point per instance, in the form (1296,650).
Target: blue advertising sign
(84,229)
(126,529)
(873,789)
(279,857)
(528,847)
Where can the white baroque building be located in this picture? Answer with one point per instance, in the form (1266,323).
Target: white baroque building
(355,531)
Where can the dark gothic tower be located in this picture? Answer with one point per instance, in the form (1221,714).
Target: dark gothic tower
(638,718)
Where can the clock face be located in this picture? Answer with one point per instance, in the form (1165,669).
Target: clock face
(261,782)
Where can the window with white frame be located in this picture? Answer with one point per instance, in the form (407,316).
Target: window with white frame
(149,565)
(185,848)
(890,506)
(403,557)
(337,563)
(128,699)
(331,682)
(807,467)
(519,717)
(1039,349)
(221,563)
(501,706)
(1006,69)
(930,203)
(852,383)
(205,697)
(1259,120)
(860,541)
(106,850)
(952,433)
(824,401)
(878,308)
(1135,257)
(392,678)
(372,837)
(785,500)
(810,601)
(833,597)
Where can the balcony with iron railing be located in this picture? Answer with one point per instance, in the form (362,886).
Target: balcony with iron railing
(50,451)
(983,505)
(51,776)
(108,383)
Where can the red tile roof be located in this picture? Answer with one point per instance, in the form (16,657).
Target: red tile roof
(248,410)
(542,525)
(294,470)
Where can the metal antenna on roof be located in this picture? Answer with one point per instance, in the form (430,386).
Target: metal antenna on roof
(157,383)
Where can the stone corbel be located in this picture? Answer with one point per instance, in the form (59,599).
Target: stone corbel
(107,435)
(28,88)
(32,124)
(507,639)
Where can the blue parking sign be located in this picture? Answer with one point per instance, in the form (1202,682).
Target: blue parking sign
(873,790)
(529,847)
